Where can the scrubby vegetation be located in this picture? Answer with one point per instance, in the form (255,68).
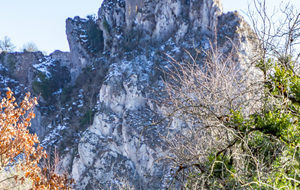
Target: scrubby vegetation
(6,45)
(20,151)
(132,39)
(92,38)
(29,47)
(242,121)
(46,85)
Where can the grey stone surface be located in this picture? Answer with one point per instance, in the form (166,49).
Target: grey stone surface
(78,54)
(101,119)
(119,143)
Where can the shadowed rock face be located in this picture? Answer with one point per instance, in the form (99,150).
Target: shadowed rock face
(98,102)
(21,71)
(79,56)
(19,64)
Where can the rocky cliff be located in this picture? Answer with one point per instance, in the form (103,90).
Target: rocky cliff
(98,102)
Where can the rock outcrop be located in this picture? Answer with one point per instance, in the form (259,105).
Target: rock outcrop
(85,40)
(28,72)
(98,101)
(121,142)
(154,22)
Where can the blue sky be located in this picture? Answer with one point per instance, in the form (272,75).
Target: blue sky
(43,22)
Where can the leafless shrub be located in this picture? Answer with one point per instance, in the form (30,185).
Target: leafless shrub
(51,163)
(277,32)
(52,169)
(209,101)
(202,96)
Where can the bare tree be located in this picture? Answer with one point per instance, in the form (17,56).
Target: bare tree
(6,45)
(277,33)
(204,97)
(30,47)
(235,127)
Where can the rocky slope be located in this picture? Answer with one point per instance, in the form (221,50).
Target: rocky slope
(98,102)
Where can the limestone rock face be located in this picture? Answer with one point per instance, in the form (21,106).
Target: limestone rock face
(121,142)
(62,57)
(78,54)
(19,64)
(17,73)
(203,15)
(155,21)
(112,145)
(85,42)
(21,71)
(99,101)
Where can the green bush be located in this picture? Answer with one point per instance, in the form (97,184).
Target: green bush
(106,26)
(95,36)
(47,85)
(43,86)
(87,118)
(132,39)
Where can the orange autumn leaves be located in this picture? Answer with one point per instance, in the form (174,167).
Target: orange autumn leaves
(18,147)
